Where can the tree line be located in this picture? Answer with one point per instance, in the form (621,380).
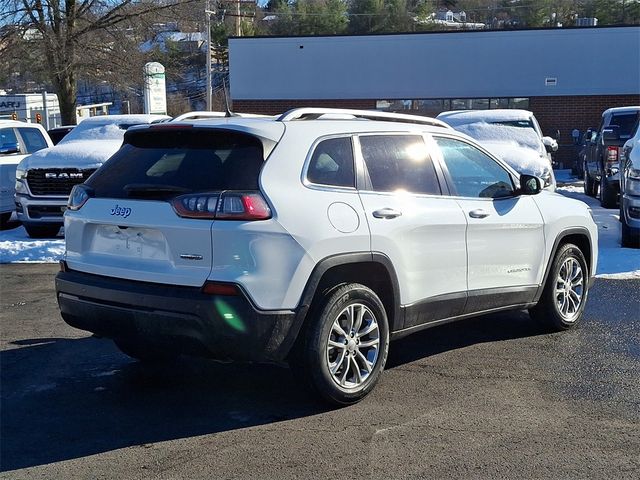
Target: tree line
(55,44)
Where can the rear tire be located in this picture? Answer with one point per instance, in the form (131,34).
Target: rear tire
(42,231)
(608,194)
(565,293)
(342,351)
(142,351)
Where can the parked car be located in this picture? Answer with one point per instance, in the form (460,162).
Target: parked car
(17,140)
(45,179)
(511,134)
(630,190)
(58,133)
(314,238)
(601,167)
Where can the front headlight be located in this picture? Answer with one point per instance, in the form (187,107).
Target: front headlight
(633,174)
(21,187)
(20,173)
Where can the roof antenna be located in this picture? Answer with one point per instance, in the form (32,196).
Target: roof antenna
(228,112)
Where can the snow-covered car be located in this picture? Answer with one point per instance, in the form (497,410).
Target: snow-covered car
(630,190)
(513,135)
(44,180)
(17,140)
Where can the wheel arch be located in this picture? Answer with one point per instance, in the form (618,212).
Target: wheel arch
(373,270)
(580,237)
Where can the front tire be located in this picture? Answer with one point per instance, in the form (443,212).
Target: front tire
(344,349)
(565,293)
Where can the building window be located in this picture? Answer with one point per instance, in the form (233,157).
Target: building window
(434,106)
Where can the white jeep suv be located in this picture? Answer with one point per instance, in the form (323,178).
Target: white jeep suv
(313,238)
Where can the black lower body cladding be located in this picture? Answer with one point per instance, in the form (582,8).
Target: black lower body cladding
(178,319)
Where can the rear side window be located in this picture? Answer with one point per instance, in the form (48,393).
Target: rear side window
(33,139)
(332,163)
(399,162)
(164,163)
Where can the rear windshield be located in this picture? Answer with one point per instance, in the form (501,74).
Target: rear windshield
(164,163)
(626,122)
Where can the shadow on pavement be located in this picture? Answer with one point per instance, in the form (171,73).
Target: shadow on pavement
(69,398)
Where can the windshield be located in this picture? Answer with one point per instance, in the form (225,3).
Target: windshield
(523,134)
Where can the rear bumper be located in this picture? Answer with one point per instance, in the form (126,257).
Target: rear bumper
(178,319)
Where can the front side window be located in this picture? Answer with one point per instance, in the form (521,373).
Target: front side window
(33,139)
(332,163)
(473,173)
(399,162)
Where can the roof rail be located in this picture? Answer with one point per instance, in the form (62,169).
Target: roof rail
(316,113)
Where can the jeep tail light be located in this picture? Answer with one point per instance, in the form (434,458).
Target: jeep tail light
(201,205)
(228,205)
(79,195)
(243,206)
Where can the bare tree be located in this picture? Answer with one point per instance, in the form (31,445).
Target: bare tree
(71,34)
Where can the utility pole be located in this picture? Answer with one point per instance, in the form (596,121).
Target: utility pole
(208,13)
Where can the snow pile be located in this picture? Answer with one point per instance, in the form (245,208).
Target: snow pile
(461,117)
(491,132)
(521,159)
(613,261)
(17,247)
(75,154)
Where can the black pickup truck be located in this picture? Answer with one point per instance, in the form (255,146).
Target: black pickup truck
(602,153)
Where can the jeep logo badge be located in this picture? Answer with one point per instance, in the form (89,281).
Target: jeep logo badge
(121,211)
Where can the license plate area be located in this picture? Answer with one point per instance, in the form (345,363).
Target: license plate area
(129,242)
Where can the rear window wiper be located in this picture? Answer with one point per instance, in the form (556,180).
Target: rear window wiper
(152,189)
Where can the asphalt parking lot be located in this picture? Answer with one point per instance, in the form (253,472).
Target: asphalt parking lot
(495,397)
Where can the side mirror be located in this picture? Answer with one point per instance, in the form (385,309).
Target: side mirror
(530,185)
(9,148)
(550,144)
(611,133)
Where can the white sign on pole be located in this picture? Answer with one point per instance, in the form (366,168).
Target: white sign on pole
(155,92)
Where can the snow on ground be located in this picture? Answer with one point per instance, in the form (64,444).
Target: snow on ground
(17,247)
(614,261)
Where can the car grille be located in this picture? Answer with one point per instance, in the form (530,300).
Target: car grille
(56,181)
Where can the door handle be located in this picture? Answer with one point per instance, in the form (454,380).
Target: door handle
(387,213)
(479,213)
